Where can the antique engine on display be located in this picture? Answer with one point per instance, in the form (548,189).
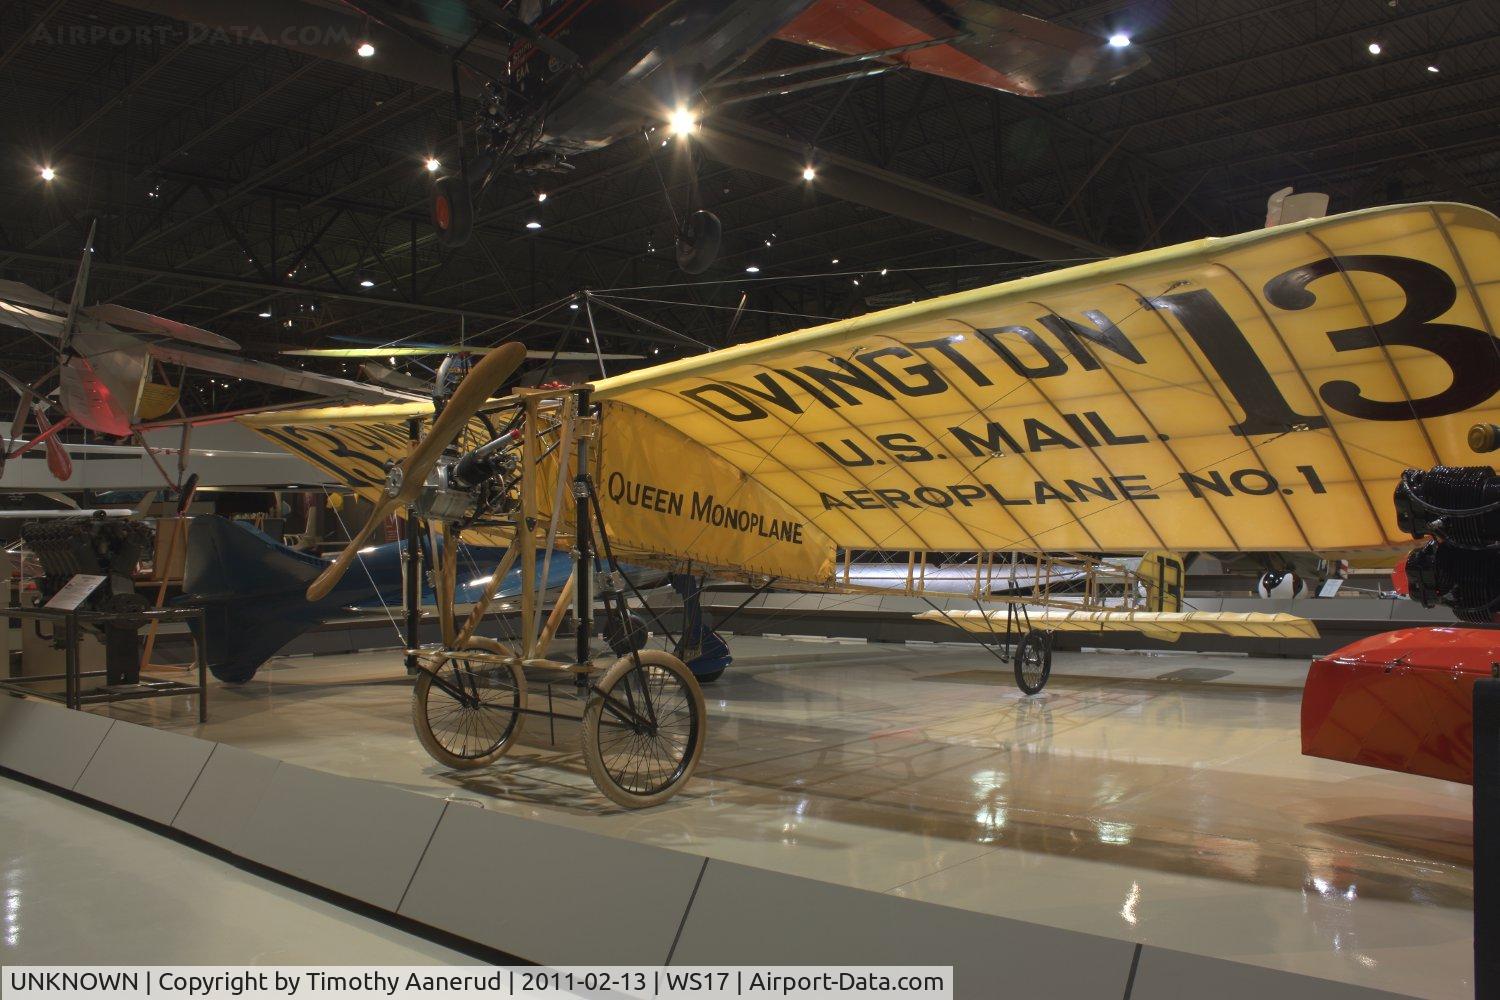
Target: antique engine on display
(1459,510)
(97,546)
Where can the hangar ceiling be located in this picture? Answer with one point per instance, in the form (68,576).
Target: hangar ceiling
(254,187)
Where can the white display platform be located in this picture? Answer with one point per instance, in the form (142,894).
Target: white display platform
(553,895)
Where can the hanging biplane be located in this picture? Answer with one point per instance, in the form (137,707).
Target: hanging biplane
(1260,392)
(111,377)
(580,76)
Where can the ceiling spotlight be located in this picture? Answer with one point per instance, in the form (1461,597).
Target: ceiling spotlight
(367,283)
(432,165)
(265,314)
(1374,48)
(808,173)
(1119,40)
(533,224)
(682,121)
(48,174)
(541,196)
(752,269)
(1432,69)
(883,270)
(572,305)
(656,350)
(365,50)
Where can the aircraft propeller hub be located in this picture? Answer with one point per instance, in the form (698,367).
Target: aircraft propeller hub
(394,479)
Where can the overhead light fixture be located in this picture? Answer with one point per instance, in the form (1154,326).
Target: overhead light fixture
(1119,40)
(265,314)
(882,271)
(48,174)
(432,165)
(808,173)
(752,269)
(1432,69)
(572,305)
(541,196)
(533,224)
(656,350)
(682,120)
(367,283)
(834,261)
(365,50)
(1374,48)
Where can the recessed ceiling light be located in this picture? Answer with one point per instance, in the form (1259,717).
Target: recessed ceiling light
(752,269)
(365,50)
(882,271)
(541,196)
(682,121)
(48,173)
(265,314)
(1119,40)
(533,224)
(1432,69)
(834,261)
(572,305)
(367,283)
(1374,48)
(432,165)
(808,173)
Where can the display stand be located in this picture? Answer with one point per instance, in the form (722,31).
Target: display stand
(73,695)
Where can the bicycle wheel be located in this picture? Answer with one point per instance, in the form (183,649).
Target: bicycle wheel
(1033,661)
(644,729)
(475,729)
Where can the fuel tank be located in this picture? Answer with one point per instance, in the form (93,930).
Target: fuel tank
(1402,700)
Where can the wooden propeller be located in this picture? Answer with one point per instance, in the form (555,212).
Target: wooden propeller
(483,380)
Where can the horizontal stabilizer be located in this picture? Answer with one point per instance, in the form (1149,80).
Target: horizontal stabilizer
(1167,626)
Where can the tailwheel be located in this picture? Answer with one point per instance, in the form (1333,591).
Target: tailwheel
(474,714)
(644,729)
(1033,661)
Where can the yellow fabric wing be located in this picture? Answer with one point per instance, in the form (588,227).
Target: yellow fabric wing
(1258,392)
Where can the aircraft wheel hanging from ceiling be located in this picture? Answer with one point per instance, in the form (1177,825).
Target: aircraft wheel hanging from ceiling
(452,211)
(698,241)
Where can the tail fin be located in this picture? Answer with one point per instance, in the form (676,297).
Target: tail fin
(252,589)
(1163,576)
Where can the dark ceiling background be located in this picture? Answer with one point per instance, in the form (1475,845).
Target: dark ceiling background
(231,177)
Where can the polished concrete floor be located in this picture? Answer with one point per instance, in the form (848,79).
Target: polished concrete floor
(1156,798)
(79,886)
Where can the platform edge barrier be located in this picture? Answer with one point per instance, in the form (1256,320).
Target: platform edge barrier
(1164,974)
(360,838)
(48,742)
(563,869)
(144,771)
(710,911)
(225,796)
(748,916)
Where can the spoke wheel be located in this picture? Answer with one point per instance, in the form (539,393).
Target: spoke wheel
(1033,662)
(644,729)
(477,729)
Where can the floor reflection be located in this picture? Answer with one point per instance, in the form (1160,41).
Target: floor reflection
(1156,798)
